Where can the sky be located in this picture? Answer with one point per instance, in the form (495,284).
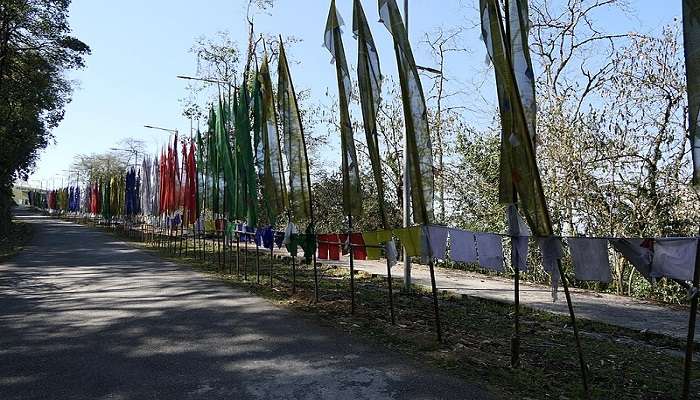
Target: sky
(139,47)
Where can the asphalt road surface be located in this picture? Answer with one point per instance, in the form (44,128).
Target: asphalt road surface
(85,316)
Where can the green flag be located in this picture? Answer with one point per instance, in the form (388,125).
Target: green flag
(295,147)
(257,124)
(213,163)
(274,188)
(691,39)
(518,165)
(246,165)
(352,193)
(369,80)
(225,157)
(419,150)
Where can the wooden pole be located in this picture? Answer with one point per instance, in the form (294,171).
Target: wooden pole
(272,257)
(238,253)
(294,274)
(433,285)
(690,343)
(579,350)
(391,293)
(313,260)
(514,231)
(352,266)
(257,262)
(245,254)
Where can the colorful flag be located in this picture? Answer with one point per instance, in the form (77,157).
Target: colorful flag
(369,78)
(519,28)
(518,165)
(226,163)
(274,188)
(248,193)
(419,150)
(201,167)
(212,163)
(352,193)
(258,150)
(691,39)
(295,147)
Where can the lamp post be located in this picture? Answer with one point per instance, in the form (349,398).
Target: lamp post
(130,151)
(161,129)
(209,80)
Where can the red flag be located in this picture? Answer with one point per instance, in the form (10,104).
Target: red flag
(182,199)
(191,187)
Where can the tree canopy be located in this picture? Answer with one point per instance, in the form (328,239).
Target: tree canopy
(36,50)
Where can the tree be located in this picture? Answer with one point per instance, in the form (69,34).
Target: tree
(95,167)
(35,51)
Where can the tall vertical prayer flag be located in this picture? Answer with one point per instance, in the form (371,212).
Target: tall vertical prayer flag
(518,165)
(691,39)
(352,193)
(226,162)
(201,167)
(369,79)
(190,202)
(519,28)
(295,147)
(274,188)
(246,165)
(212,162)
(258,149)
(419,150)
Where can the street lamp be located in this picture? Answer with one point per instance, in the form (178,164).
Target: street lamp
(130,151)
(194,78)
(217,81)
(161,129)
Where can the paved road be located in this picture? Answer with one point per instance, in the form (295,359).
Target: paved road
(611,309)
(85,316)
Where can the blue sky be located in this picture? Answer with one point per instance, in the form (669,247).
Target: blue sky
(138,47)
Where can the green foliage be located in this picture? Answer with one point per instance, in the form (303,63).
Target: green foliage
(35,51)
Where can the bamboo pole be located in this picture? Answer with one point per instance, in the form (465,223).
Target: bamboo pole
(352,266)
(690,342)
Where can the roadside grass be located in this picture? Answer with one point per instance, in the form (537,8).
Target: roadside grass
(20,234)
(622,363)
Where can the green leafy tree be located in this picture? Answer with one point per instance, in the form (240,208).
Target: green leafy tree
(36,50)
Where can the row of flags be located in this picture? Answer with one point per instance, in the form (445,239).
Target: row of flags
(219,169)
(418,144)
(254,139)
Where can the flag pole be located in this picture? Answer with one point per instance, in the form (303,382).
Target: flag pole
(363,73)
(512,224)
(565,282)
(245,252)
(690,343)
(691,37)
(272,258)
(406,189)
(257,262)
(352,265)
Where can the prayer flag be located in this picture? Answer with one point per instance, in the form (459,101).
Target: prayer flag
(274,188)
(352,193)
(369,80)
(295,147)
(248,194)
(691,39)
(419,150)
(518,165)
